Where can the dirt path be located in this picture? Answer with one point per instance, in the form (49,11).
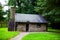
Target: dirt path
(20,36)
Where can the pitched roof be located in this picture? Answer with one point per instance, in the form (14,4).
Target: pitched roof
(32,18)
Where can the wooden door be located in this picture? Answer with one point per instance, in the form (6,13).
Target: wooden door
(27,27)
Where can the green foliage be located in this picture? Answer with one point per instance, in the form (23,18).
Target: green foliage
(3,25)
(23,6)
(1,13)
(41,6)
(53,3)
(11,2)
(51,11)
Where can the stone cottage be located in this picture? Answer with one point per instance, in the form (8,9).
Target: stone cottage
(26,22)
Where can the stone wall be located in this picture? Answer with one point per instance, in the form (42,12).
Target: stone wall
(21,27)
(43,27)
(32,28)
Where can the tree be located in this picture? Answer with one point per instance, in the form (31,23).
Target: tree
(1,13)
(53,12)
(23,6)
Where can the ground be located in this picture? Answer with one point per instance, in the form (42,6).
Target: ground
(20,36)
(52,34)
(5,35)
(42,36)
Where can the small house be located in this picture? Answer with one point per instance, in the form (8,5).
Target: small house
(27,22)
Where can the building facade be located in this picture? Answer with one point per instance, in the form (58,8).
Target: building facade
(26,22)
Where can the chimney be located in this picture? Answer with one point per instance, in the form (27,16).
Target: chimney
(12,13)
(11,25)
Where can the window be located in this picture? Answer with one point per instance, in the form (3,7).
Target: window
(38,25)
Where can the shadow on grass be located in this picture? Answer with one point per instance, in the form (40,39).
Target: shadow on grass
(54,31)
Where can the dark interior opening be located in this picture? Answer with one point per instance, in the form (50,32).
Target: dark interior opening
(27,27)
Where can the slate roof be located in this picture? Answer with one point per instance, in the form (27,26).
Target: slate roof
(32,18)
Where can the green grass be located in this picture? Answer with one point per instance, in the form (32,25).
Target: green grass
(52,34)
(53,30)
(42,36)
(6,35)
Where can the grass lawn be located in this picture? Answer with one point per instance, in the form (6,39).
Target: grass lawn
(5,35)
(52,35)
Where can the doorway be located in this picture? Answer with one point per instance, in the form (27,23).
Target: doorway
(27,27)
